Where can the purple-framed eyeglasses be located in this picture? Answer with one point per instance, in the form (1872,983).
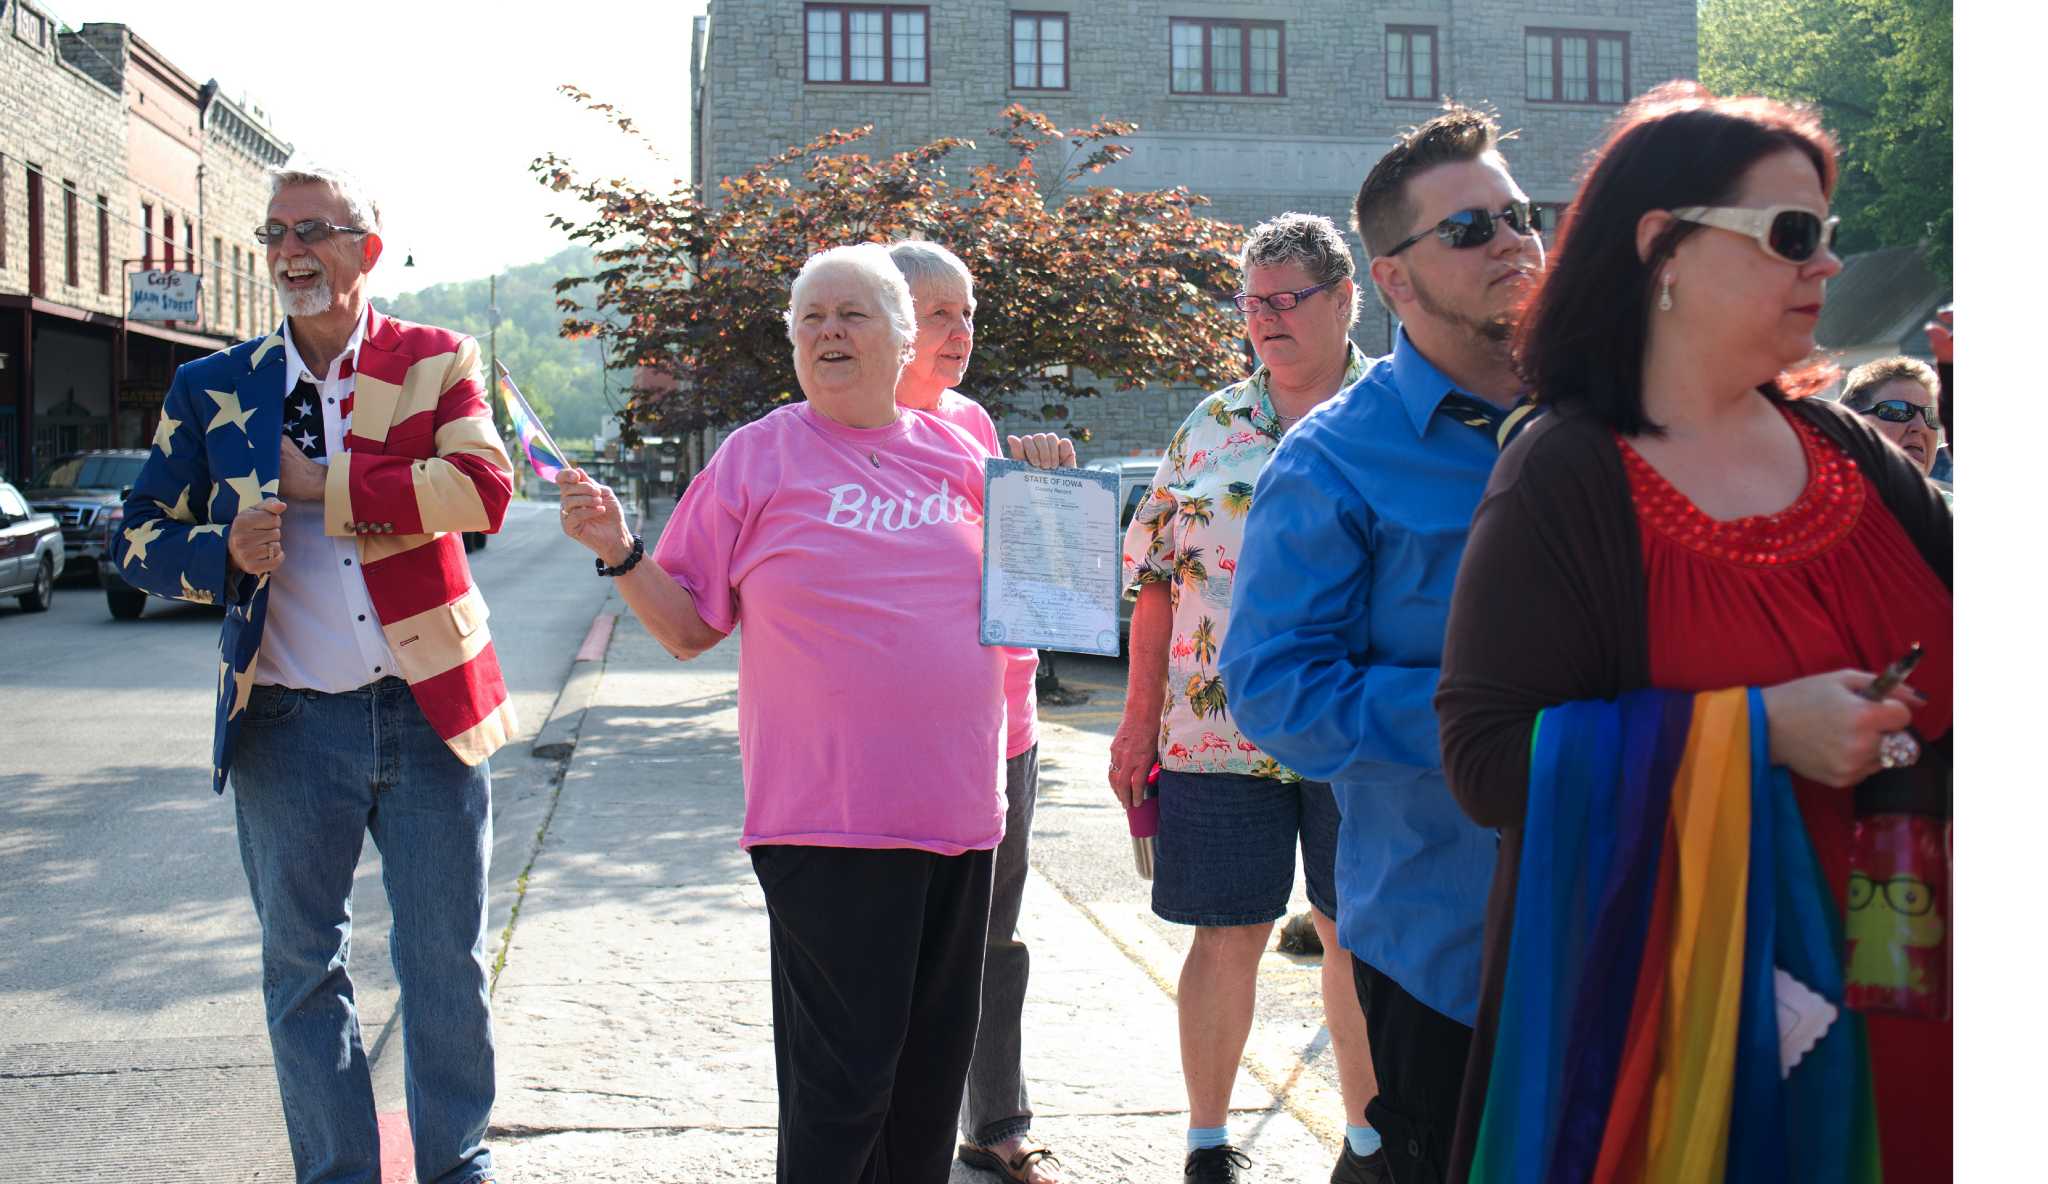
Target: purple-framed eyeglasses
(1278,301)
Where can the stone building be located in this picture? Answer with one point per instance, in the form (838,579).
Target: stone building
(1262,106)
(113,161)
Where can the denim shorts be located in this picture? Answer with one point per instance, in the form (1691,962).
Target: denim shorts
(1225,852)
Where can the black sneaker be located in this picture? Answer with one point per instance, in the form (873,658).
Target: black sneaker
(1353,1168)
(1217,1165)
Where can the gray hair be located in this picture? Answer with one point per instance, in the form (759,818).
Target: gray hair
(1310,240)
(362,211)
(923,262)
(1859,389)
(872,261)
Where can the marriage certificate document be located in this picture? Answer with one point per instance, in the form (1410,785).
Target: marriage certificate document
(1050,558)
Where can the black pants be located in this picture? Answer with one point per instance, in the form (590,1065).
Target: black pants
(876,964)
(1418,1054)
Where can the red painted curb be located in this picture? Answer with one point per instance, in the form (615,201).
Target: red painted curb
(599,637)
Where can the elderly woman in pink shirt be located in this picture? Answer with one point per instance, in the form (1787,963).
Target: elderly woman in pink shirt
(844,534)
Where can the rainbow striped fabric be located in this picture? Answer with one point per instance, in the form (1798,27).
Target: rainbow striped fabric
(534,440)
(1666,879)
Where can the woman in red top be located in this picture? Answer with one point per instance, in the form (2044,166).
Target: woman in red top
(1682,521)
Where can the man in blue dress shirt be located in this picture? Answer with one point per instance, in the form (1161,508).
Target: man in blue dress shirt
(1343,589)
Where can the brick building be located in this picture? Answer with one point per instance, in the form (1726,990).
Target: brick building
(113,161)
(1263,106)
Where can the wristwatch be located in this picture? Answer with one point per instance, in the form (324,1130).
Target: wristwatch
(631,561)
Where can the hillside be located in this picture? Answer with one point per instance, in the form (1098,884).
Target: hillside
(564,380)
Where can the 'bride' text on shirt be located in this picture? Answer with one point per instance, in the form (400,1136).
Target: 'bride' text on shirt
(934,509)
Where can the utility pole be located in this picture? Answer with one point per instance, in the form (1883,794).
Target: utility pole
(491,369)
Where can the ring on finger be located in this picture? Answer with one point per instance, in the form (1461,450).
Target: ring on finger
(1897,750)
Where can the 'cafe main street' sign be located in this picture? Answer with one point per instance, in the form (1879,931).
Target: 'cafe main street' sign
(163,296)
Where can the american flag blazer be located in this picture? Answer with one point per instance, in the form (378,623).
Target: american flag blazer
(421,463)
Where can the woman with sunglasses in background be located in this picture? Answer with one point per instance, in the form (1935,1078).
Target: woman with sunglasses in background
(1901,397)
(1678,586)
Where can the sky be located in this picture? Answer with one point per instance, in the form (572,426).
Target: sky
(440,105)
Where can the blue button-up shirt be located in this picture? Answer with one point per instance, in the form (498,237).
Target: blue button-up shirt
(1336,641)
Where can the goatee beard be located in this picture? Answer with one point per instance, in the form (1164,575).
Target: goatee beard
(1496,332)
(308,302)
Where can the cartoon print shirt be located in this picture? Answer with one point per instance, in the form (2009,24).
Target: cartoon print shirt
(1186,534)
(870,715)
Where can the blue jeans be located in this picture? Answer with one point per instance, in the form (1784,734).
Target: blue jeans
(312,773)
(1225,853)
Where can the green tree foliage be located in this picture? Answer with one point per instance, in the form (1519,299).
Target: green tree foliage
(1880,71)
(564,380)
(1078,282)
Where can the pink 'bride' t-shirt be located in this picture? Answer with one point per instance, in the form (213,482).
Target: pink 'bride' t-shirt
(850,558)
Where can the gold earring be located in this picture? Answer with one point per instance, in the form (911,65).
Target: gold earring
(1664,301)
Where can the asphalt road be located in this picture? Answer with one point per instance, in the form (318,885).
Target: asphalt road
(128,946)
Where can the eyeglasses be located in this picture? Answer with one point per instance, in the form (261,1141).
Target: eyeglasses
(1278,301)
(312,230)
(1792,233)
(1474,227)
(1900,411)
(1908,896)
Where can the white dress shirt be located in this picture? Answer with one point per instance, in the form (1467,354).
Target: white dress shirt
(320,632)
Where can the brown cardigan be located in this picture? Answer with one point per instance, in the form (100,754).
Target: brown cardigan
(1549,608)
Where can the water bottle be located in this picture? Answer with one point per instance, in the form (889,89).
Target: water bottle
(1144,822)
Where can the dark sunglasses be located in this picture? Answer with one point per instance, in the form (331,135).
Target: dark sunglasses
(1792,233)
(1474,227)
(1278,301)
(1900,411)
(312,230)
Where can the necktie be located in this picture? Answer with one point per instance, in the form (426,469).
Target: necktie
(1481,416)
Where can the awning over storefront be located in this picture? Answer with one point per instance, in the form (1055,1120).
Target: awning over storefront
(205,341)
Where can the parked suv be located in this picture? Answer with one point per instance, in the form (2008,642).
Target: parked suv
(31,551)
(79,490)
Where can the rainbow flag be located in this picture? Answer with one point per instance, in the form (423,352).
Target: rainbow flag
(540,448)
(1666,887)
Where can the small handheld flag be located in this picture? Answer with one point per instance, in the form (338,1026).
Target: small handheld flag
(540,448)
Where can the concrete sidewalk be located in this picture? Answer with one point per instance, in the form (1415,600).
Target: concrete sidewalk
(632,1012)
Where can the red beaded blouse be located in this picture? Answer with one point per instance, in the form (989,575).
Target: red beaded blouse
(1830,582)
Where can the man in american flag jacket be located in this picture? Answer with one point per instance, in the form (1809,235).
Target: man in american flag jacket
(316,482)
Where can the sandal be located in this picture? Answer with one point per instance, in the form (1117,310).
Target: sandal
(1018,1169)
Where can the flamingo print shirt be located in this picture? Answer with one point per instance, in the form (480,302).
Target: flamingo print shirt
(1186,535)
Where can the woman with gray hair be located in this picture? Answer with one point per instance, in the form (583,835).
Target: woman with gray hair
(1229,815)
(1901,396)
(995,1114)
(844,534)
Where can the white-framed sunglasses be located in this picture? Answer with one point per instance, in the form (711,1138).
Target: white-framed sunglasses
(1792,233)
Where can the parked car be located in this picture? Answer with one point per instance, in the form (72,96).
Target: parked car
(1134,478)
(79,490)
(31,551)
(124,600)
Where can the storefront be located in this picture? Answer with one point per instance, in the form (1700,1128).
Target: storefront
(72,379)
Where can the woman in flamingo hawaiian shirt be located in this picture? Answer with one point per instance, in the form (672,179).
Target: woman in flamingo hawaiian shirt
(1229,815)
